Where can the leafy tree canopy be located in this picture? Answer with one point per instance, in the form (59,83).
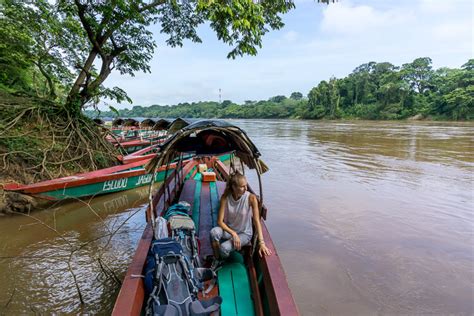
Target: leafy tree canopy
(76,44)
(296,96)
(372,91)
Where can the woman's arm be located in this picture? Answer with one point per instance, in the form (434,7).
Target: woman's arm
(262,248)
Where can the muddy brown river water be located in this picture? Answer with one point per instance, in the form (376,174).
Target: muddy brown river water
(368,218)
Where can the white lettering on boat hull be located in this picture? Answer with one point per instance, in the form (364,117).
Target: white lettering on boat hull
(115,184)
(146,178)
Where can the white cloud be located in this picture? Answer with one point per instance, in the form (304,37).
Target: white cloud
(346,18)
(318,41)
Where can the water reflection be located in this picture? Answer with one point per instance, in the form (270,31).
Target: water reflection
(91,241)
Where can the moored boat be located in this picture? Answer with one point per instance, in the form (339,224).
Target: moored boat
(132,146)
(247,283)
(103,181)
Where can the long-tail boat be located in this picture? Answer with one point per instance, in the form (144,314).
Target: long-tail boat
(109,180)
(251,285)
(103,181)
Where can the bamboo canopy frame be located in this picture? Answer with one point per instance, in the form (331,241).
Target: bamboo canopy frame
(209,138)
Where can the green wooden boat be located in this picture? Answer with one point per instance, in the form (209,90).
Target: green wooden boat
(103,181)
(247,283)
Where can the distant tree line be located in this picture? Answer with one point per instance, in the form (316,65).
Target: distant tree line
(378,91)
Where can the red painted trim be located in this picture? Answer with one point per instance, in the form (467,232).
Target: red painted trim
(140,142)
(132,293)
(133,143)
(127,159)
(143,151)
(140,154)
(257,300)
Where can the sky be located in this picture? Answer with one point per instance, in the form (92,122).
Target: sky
(317,42)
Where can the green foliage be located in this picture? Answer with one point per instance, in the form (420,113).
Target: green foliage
(419,74)
(114,110)
(372,91)
(64,50)
(296,96)
(277,99)
(242,23)
(40,45)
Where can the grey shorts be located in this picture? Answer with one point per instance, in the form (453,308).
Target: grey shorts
(226,242)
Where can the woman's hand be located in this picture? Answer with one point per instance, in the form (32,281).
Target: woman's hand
(264,251)
(236,239)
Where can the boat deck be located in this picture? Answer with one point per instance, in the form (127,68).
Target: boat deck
(233,283)
(204,200)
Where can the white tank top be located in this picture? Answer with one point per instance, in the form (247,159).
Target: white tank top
(238,214)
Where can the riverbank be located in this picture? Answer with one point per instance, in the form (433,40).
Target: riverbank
(39,141)
(373,91)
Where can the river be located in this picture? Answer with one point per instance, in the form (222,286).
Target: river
(368,218)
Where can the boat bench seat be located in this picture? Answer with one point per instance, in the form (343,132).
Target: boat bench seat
(234,287)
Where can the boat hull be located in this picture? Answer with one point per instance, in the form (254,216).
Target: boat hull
(104,187)
(105,181)
(270,291)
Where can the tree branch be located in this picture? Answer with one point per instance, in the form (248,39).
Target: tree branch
(90,33)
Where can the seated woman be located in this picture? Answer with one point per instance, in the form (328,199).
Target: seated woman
(238,209)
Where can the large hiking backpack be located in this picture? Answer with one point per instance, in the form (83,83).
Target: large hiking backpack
(174,284)
(182,229)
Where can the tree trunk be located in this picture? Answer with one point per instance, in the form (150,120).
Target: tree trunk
(82,75)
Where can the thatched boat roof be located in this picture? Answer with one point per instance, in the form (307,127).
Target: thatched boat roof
(147,123)
(99,121)
(161,125)
(131,122)
(118,122)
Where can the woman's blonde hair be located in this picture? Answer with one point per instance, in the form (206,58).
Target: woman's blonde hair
(233,180)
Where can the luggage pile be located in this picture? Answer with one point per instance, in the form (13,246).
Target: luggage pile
(173,273)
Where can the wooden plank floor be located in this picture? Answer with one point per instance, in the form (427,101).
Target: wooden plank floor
(205,221)
(207,210)
(187,194)
(206,213)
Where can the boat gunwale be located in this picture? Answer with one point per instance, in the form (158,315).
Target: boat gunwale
(134,286)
